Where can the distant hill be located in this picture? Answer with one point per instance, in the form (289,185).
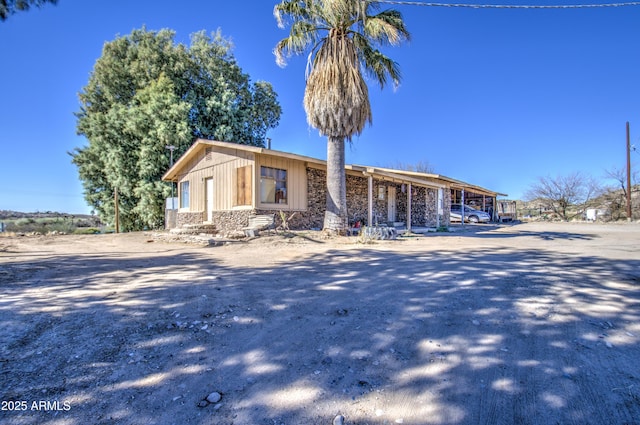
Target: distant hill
(13,215)
(612,201)
(48,222)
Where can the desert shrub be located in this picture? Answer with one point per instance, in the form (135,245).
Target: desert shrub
(22,222)
(86,231)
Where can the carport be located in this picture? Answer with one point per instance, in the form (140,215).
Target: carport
(475,197)
(462,192)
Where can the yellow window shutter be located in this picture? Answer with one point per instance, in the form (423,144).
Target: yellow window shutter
(243,185)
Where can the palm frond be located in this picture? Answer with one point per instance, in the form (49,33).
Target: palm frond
(379,66)
(293,9)
(386,28)
(302,35)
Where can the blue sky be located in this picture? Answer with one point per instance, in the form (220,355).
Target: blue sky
(495,97)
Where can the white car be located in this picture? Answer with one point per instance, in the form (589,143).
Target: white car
(470,215)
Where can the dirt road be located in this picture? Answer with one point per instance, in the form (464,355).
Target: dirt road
(524,324)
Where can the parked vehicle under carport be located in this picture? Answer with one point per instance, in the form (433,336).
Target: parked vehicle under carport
(470,215)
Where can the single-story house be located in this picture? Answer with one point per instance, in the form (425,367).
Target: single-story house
(223,184)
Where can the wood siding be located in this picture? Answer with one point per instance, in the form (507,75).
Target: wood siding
(236,180)
(222,165)
(296,182)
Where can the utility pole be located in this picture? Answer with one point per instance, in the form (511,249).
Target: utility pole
(628,174)
(171,149)
(115,200)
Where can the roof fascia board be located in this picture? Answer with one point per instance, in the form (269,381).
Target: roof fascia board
(456,184)
(396,177)
(171,174)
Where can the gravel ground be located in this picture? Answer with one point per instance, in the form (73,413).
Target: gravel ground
(521,324)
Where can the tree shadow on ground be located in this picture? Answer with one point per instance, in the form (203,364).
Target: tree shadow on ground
(501,231)
(494,336)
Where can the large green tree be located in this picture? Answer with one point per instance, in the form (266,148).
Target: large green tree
(145,93)
(9,7)
(343,37)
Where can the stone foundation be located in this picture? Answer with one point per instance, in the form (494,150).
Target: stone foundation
(298,220)
(183,218)
(231,221)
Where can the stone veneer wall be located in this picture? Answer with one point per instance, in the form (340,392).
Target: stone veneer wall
(431,219)
(401,204)
(189,218)
(357,198)
(298,220)
(419,209)
(227,222)
(357,189)
(381,206)
(423,201)
(418,205)
(316,198)
(446,219)
(424,209)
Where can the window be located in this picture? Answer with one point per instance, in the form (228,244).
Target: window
(273,185)
(184,194)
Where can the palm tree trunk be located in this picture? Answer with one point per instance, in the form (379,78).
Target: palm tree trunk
(335,217)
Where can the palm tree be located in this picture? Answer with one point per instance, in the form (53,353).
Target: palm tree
(9,7)
(342,36)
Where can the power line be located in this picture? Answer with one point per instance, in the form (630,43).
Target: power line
(509,6)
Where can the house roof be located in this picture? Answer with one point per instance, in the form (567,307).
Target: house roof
(402,176)
(456,184)
(172,173)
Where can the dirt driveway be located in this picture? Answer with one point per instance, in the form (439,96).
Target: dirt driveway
(524,324)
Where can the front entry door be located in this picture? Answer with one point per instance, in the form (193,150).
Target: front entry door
(208,199)
(391,204)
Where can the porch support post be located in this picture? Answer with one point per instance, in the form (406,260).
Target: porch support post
(494,209)
(425,219)
(370,201)
(462,208)
(438,191)
(409,208)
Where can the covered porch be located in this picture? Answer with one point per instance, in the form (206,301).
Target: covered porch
(395,199)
